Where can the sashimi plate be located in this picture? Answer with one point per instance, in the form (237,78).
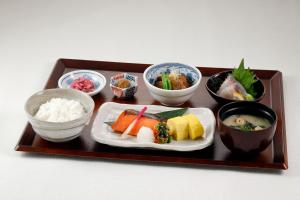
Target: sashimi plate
(102,133)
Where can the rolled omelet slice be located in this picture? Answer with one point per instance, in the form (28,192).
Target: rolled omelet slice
(195,127)
(178,128)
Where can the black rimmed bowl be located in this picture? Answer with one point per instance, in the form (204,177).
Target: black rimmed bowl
(215,81)
(250,142)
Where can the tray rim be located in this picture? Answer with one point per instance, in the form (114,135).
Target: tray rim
(59,68)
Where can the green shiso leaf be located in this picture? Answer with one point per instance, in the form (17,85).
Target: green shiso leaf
(170,114)
(246,77)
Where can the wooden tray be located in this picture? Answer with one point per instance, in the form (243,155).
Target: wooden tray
(275,156)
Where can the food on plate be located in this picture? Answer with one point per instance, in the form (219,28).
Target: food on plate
(123,83)
(162,134)
(83,84)
(247,122)
(144,122)
(145,134)
(163,116)
(164,126)
(179,128)
(60,110)
(184,127)
(196,129)
(239,85)
(127,117)
(133,123)
(172,81)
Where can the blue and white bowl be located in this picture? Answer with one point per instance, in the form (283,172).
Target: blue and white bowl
(172,97)
(98,80)
(124,92)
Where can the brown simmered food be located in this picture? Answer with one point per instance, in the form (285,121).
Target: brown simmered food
(158,83)
(123,83)
(172,82)
(180,82)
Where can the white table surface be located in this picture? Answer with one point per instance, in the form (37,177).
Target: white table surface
(34,34)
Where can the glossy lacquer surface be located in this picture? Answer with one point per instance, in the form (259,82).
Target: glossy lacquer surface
(275,156)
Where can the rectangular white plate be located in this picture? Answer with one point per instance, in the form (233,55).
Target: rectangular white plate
(109,111)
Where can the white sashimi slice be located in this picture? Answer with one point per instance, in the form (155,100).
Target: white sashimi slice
(230,87)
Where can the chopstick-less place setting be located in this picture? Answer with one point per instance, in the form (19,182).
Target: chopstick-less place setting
(168,113)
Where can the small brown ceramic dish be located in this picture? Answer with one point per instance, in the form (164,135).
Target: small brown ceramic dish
(215,81)
(250,142)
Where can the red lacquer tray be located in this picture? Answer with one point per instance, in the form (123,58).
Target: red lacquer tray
(274,157)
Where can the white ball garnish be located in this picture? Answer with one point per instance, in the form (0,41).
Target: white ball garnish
(60,110)
(145,134)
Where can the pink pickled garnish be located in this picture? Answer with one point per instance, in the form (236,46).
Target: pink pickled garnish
(129,128)
(83,84)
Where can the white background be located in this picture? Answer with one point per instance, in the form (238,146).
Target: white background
(34,34)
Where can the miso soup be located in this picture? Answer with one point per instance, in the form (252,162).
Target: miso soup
(247,122)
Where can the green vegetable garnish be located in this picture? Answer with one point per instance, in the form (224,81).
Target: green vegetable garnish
(246,77)
(166,82)
(249,97)
(162,134)
(172,113)
(246,127)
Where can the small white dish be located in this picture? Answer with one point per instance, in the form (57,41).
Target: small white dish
(109,111)
(97,78)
